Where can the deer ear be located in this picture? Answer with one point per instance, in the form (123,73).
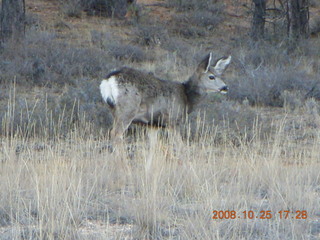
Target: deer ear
(221,65)
(204,65)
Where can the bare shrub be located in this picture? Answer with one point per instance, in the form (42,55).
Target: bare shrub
(84,101)
(267,70)
(126,52)
(32,20)
(308,49)
(196,23)
(65,72)
(314,3)
(181,49)
(292,100)
(117,48)
(273,52)
(312,107)
(187,31)
(264,85)
(107,8)
(53,116)
(71,8)
(226,120)
(314,91)
(150,35)
(44,62)
(190,4)
(67,108)
(261,53)
(27,117)
(206,19)
(315,27)
(103,39)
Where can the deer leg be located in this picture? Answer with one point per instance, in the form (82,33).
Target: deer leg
(122,121)
(119,128)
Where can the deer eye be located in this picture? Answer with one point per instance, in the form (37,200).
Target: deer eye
(212,77)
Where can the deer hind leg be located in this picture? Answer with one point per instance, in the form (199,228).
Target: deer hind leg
(121,124)
(123,115)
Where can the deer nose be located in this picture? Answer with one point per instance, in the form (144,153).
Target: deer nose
(224,89)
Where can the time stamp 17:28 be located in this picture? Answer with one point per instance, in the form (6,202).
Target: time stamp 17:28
(282,214)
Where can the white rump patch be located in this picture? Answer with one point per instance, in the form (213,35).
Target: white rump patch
(109,89)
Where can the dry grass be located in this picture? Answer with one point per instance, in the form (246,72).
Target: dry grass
(59,181)
(159,187)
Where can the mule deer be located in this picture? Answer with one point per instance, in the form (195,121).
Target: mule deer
(136,96)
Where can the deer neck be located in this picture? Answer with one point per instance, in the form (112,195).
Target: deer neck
(194,93)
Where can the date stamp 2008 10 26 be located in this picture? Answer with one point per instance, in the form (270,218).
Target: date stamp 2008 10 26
(282,214)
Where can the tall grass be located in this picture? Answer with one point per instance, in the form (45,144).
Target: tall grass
(156,187)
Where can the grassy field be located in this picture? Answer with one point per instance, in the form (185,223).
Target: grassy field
(157,187)
(248,166)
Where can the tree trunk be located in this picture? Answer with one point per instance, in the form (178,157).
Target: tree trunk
(258,20)
(12,20)
(298,19)
(304,17)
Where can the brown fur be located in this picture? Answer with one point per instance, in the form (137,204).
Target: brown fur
(144,98)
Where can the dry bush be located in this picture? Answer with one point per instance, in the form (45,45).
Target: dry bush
(67,77)
(183,5)
(51,115)
(314,91)
(225,120)
(195,24)
(293,100)
(126,52)
(314,3)
(315,27)
(106,8)
(199,22)
(42,61)
(266,85)
(265,71)
(308,49)
(117,48)
(71,8)
(150,35)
